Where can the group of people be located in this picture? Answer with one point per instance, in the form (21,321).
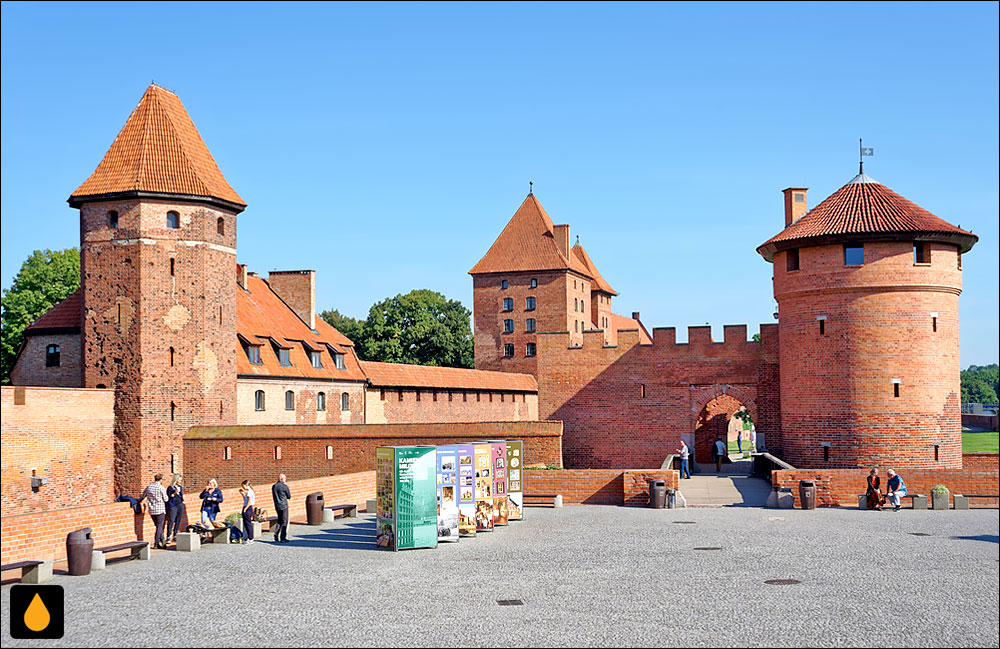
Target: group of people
(166,507)
(719,451)
(895,490)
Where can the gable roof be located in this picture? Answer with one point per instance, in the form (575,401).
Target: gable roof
(599,282)
(621,322)
(865,209)
(527,243)
(456,378)
(63,317)
(159,151)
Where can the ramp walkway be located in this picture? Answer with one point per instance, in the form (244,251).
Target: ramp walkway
(732,488)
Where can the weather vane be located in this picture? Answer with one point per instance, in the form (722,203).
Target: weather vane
(531,190)
(865,151)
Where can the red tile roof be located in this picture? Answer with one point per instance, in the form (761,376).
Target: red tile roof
(622,322)
(262,316)
(865,209)
(158,150)
(599,282)
(424,376)
(527,243)
(64,316)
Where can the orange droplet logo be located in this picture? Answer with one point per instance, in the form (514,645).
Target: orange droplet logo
(36,617)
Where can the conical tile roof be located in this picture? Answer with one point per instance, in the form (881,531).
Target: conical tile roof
(865,210)
(159,151)
(600,284)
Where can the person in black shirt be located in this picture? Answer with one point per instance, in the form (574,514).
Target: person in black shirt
(281,495)
(175,506)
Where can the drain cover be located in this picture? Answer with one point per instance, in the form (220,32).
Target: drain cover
(708,547)
(782,582)
(510,602)
(919,533)
(683,522)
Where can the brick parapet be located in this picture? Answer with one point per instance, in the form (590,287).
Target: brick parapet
(598,486)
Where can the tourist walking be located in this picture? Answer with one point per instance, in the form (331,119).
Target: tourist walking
(211,498)
(873,496)
(248,503)
(684,453)
(281,495)
(175,506)
(895,489)
(156,498)
(720,450)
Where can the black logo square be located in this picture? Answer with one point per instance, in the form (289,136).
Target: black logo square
(36,612)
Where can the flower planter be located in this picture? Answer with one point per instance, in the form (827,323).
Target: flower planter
(939,499)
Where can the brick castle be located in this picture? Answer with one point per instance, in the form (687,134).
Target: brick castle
(861,369)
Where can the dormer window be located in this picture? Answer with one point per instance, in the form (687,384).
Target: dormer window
(253,354)
(284,357)
(338,360)
(316,359)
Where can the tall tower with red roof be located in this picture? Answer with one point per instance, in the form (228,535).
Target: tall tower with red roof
(867,285)
(158,260)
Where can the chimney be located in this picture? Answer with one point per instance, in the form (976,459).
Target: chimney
(635,316)
(561,234)
(241,275)
(795,204)
(298,289)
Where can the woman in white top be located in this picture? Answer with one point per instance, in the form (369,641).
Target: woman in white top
(249,500)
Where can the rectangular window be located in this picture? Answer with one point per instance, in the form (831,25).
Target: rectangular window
(854,254)
(508,304)
(289,400)
(642,390)
(508,326)
(52,355)
(284,358)
(503,284)
(792,258)
(508,350)
(253,354)
(317,359)
(338,359)
(534,283)
(530,325)
(529,349)
(921,252)
(529,304)
(822,325)
(895,387)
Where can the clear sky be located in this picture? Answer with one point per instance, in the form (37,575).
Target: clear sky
(386,146)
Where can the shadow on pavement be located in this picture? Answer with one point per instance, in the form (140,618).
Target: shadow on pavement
(358,535)
(988,538)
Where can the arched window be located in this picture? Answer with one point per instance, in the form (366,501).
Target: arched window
(52,356)
(173,220)
(289,400)
(220,226)
(329,452)
(277,452)
(227,453)
(113,220)
(258,400)
(345,401)
(321,401)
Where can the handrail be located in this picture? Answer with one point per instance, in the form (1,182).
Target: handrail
(765,463)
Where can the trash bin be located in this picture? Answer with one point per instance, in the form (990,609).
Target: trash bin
(807,493)
(671,498)
(79,551)
(657,494)
(314,508)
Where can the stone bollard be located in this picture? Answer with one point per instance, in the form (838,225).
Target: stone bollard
(371,505)
(39,574)
(863,501)
(786,500)
(98,561)
(557,501)
(188,542)
(329,516)
(961,502)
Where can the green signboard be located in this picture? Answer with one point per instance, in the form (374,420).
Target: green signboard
(406,493)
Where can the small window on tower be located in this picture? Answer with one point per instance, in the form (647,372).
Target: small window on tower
(220,226)
(530,349)
(921,252)
(792,257)
(321,401)
(173,220)
(227,453)
(113,220)
(345,401)
(503,284)
(534,283)
(172,266)
(895,387)
(854,254)
(329,452)
(171,357)
(52,356)
(822,325)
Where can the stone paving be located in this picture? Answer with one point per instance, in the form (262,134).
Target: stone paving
(587,576)
(733,486)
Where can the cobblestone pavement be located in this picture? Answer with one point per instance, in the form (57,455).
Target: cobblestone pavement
(587,576)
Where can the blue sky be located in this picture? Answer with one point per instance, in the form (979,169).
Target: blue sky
(386,146)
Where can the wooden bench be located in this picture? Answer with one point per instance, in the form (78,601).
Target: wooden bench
(555,499)
(32,572)
(139,550)
(349,511)
(962,500)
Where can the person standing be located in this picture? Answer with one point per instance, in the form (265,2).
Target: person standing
(156,498)
(739,441)
(720,450)
(175,506)
(248,502)
(895,489)
(211,498)
(684,453)
(281,495)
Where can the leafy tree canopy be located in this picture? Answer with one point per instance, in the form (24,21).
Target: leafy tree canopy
(350,327)
(980,384)
(44,280)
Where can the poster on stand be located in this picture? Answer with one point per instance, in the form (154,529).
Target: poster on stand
(405,484)
(484,487)
(447,494)
(466,490)
(499,459)
(515,487)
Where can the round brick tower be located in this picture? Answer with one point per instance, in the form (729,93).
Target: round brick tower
(867,285)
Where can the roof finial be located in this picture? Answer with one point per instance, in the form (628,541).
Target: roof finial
(861,161)
(578,239)
(531,190)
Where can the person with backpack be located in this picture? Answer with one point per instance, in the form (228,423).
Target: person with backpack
(281,495)
(246,490)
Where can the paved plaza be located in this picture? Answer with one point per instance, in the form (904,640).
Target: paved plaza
(587,575)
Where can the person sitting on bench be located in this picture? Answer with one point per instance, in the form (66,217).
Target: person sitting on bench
(895,489)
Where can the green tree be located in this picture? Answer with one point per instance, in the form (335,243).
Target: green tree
(422,327)
(981,384)
(350,327)
(44,280)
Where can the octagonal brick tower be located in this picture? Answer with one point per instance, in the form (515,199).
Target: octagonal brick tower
(158,270)
(867,285)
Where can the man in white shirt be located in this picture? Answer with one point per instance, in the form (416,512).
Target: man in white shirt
(684,453)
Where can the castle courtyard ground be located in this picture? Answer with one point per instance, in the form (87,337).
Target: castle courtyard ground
(587,575)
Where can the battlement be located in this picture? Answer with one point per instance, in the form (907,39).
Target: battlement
(665,338)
